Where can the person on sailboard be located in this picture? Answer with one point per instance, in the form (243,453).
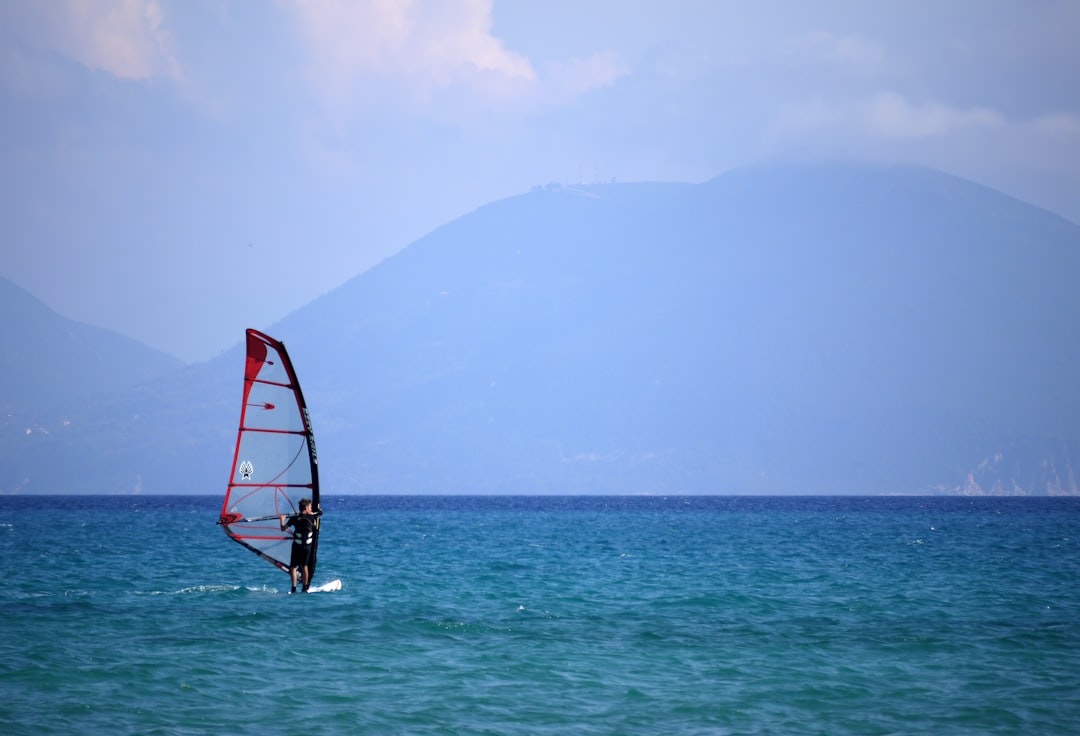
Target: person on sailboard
(303,525)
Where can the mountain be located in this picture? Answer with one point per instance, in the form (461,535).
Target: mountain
(49,361)
(50,367)
(831,328)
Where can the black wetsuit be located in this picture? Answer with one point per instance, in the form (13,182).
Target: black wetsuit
(303,539)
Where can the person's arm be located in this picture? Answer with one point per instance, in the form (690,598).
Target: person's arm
(284,526)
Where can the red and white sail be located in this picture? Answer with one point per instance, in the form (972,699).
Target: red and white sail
(275,464)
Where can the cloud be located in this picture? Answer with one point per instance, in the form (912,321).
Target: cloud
(437,59)
(408,50)
(884,116)
(125,38)
(890,115)
(1062,124)
(854,52)
(566,80)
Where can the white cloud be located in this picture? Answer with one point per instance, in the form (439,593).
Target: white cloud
(884,116)
(889,115)
(566,80)
(437,59)
(125,38)
(1060,124)
(822,47)
(404,49)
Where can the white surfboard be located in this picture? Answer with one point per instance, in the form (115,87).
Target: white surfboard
(326,587)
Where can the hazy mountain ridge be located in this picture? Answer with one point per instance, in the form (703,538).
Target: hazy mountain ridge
(738,319)
(825,329)
(49,360)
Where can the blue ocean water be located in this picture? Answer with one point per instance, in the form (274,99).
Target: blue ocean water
(547,615)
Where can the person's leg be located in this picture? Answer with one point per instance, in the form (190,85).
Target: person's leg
(292,573)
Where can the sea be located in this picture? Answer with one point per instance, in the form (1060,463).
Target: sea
(537,615)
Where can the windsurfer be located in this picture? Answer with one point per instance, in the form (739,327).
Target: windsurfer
(303,525)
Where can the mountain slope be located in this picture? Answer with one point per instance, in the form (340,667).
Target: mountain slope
(816,329)
(806,329)
(49,360)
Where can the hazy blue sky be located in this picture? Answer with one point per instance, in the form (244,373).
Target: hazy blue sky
(179,170)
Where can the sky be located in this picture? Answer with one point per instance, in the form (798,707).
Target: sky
(179,170)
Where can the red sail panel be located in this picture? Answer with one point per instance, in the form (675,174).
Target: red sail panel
(275,464)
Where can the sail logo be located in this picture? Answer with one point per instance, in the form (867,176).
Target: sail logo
(246,469)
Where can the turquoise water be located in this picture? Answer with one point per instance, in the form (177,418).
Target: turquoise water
(540,615)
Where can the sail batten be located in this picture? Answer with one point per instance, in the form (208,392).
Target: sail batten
(274,462)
